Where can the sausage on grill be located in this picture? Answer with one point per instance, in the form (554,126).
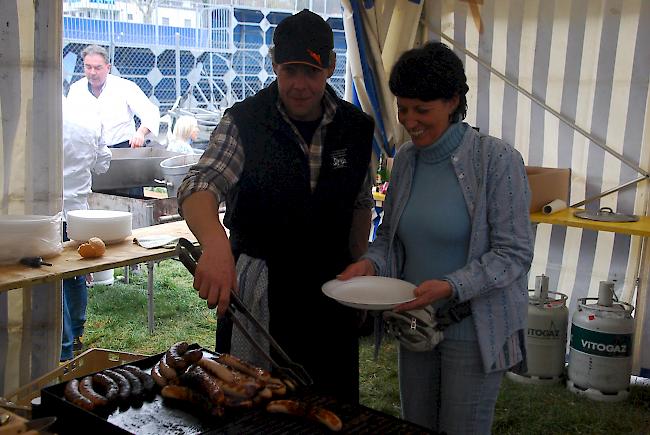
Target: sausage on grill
(73,395)
(244,367)
(87,390)
(167,371)
(175,355)
(134,381)
(145,378)
(123,385)
(157,377)
(205,383)
(315,413)
(108,385)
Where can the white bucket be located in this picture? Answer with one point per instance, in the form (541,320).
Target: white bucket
(104,277)
(175,169)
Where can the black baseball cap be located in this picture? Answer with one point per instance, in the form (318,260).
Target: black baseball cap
(303,38)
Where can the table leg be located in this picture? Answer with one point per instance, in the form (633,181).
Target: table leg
(127,270)
(150,295)
(641,345)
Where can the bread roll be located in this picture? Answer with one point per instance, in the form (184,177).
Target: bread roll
(94,248)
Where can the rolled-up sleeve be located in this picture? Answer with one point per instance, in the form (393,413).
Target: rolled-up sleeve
(220,166)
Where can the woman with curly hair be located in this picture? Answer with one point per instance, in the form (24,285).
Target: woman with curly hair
(455,225)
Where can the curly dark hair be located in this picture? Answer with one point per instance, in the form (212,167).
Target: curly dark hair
(429,73)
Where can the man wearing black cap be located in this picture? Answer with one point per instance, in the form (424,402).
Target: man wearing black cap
(291,162)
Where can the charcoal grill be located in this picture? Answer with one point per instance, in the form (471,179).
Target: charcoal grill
(160,416)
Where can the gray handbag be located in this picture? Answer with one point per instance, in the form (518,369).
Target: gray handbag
(415,330)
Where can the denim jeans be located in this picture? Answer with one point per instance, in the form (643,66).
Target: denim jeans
(446,389)
(75,299)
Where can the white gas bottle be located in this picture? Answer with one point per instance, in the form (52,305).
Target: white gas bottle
(548,318)
(600,348)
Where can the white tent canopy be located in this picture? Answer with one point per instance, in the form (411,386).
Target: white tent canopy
(561,80)
(565,82)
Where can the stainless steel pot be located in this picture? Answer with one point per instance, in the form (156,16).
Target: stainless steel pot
(133,167)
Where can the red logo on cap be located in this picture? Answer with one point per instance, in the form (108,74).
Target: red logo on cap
(315,56)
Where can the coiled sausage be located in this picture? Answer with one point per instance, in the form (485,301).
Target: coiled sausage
(147,381)
(136,385)
(73,395)
(109,386)
(123,385)
(87,390)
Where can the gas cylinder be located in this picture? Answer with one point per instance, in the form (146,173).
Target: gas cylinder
(548,317)
(600,347)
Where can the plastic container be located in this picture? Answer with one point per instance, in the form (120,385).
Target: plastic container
(103,277)
(109,225)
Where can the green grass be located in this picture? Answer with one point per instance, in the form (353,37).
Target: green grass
(117,314)
(117,319)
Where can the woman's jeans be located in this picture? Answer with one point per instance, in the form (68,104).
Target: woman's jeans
(75,299)
(446,389)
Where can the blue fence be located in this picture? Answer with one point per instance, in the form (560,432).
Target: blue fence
(217,66)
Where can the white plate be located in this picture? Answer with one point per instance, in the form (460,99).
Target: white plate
(370,292)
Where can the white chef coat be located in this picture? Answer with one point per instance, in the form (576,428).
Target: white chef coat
(83,152)
(119,101)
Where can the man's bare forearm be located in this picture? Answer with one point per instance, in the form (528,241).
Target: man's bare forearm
(201,212)
(359,232)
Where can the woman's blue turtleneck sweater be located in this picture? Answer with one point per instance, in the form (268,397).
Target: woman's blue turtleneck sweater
(435,225)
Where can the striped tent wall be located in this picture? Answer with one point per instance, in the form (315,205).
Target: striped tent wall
(587,60)
(30,179)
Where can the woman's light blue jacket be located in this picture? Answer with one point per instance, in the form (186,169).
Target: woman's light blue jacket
(493,180)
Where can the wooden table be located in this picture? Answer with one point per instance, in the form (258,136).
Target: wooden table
(125,253)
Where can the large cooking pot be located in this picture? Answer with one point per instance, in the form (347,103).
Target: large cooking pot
(133,167)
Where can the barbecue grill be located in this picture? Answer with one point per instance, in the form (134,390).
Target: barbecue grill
(160,416)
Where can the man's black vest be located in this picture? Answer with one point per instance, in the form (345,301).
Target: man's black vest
(271,212)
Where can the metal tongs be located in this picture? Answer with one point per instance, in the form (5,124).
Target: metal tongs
(189,255)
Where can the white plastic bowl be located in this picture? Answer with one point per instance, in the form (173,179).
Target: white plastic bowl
(110,226)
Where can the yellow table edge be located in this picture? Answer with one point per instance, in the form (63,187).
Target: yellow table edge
(566,218)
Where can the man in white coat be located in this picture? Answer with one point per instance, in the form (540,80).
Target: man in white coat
(83,153)
(115,101)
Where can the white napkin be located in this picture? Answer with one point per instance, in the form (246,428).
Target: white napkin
(156,241)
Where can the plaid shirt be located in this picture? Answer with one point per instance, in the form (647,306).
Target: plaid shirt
(223,161)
